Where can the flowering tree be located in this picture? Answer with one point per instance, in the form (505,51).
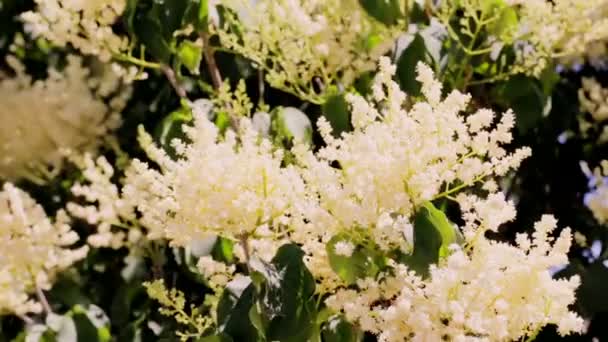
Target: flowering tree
(303,170)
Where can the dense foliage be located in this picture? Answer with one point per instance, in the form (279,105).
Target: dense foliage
(303,170)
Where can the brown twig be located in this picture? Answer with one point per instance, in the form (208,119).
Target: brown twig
(170,74)
(216,77)
(245,244)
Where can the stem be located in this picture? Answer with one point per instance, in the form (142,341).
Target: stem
(137,61)
(261,85)
(170,74)
(459,187)
(26,320)
(42,298)
(245,244)
(489,79)
(208,52)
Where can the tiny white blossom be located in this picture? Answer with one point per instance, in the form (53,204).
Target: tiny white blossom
(344,248)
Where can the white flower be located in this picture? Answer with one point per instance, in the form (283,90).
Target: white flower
(86,25)
(229,185)
(43,120)
(396,159)
(34,250)
(105,206)
(217,273)
(302,42)
(495,292)
(344,248)
(593,99)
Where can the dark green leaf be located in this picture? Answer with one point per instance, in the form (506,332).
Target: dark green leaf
(525,96)
(197,14)
(290,285)
(406,65)
(385,11)
(433,234)
(338,329)
(69,293)
(170,14)
(233,313)
(215,338)
(336,111)
(148,29)
(122,304)
(129,16)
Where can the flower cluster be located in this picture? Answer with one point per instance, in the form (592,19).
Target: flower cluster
(538,30)
(111,214)
(560,29)
(594,110)
(497,292)
(366,185)
(298,43)
(234,185)
(86,25)
(395,159)
(72,111)
(593,99)
(34,250)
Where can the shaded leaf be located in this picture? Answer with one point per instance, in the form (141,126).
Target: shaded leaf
(364,262)
(386,11)
(433,234)
(233,313)
(525,96)
(406,65)
(338,329)
(336,111)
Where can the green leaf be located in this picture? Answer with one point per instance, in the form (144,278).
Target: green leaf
(222,121)
(338,329)
(433,234)
(122,303)
(506,24)
(406,65)
(223,250)
(68,292)
(197,14)
(259,321)
(290,123)
(386,11)
(129,16)
(171,127)
(336,111)
(148,29)
(285,295)
(191,55)
(170,14)
(364,261)
(525,96)
(233,311)
(215,338)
